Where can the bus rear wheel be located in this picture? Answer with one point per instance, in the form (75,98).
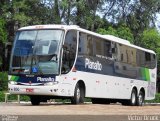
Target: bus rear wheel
(78,95)
(35,100)
(140,99)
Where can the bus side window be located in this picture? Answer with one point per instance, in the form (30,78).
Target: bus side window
(108,49)
(69,51)
(147,59)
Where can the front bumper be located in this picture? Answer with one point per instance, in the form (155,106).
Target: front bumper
(34,90)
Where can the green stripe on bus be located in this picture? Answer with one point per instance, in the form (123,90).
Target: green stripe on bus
(145,74)
(14,78)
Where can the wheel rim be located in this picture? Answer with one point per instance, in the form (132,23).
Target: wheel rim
(133,100)
(140,99)
(78,94)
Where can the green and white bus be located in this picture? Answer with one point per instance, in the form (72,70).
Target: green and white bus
(66,61)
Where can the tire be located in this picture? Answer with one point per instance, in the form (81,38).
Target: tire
(140,99)
(78,95)
(35,100)
(133,99)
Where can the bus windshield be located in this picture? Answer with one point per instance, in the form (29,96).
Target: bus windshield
(36,52)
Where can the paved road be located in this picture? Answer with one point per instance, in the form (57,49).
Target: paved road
(66,118)
(85,112)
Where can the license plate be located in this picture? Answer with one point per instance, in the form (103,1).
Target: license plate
(29,90)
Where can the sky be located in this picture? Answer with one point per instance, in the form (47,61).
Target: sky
(158,22)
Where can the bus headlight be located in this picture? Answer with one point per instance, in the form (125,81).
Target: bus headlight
(51,83)
(12,82)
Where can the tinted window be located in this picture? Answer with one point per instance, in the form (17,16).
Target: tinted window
(107,48)
(85,44)
(69,51)
(102,47)
(98,46)
(145,59)
(153,60)
(92,46)
(147,56)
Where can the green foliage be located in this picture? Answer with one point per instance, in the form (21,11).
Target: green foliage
(110,31)
(3,38)
(2,96)
(3,33)
(22,98)
(122,31)
(28,12)
(156,100)
(0,60)
(12,97)
(150,39)
(102,31)
(3,81)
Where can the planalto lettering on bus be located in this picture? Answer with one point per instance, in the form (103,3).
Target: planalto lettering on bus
(49,79)
(93,65)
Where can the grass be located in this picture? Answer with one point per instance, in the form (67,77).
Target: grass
(12,97)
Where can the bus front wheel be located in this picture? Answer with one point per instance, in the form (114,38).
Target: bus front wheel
(78,95)
(35,100)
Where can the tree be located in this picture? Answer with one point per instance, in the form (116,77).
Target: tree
(110,31)
(150,39)
(3,33)
(56,12)
(122,31)
(3,39)
(138,15)
(86,14)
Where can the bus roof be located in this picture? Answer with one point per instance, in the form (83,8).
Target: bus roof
(49,26)
(75,27)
